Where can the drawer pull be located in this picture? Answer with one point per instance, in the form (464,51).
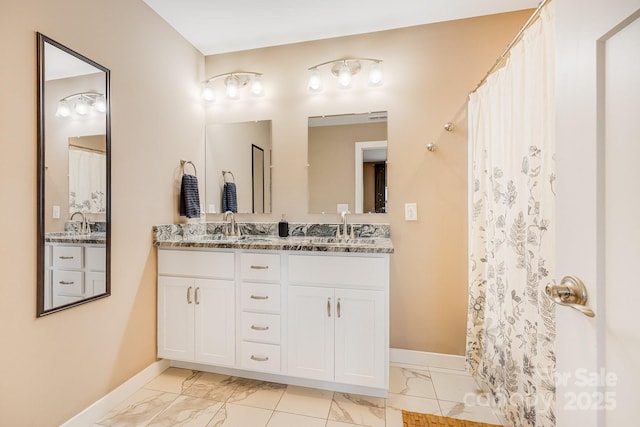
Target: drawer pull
(259,296)
(64,282)
(259,358)
(65,257)
(259,267)
(259,328)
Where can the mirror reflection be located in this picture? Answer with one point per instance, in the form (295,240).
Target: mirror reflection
(238,167)
(347,157)
(73,175)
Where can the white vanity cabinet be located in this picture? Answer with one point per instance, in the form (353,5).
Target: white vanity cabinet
(316,319)
(73,272)
(196,306)
(337,327)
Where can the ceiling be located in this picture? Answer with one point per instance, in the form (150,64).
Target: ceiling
(215,26)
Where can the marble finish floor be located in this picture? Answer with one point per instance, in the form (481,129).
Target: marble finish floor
(181,397)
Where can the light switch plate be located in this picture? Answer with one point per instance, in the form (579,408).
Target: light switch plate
(56,212)
(212,208)
(342,207)
(411,211)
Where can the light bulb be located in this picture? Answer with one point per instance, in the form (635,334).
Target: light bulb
(207,93)
(344,76)
(63,109)
(82,107)
(232,87)
(315,82)
(100,104)
(375,74)
(257,88)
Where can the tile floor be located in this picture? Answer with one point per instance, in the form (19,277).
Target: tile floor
(181,397)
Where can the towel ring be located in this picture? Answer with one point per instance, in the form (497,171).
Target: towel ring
(224,176)
(183,163)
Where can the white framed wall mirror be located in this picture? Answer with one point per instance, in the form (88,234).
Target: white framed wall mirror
(74,190)
(347,157)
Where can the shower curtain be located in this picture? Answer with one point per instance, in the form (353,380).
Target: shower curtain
(511,329)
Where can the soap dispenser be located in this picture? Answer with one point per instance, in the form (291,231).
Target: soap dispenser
(283,227)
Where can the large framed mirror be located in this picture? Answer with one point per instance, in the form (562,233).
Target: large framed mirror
(238,167)
(347,157)
(74,180)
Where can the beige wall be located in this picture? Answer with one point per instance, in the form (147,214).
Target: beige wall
(331,157)
(54,367)
(429,70)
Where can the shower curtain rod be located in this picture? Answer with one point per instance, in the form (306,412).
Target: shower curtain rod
(515,40)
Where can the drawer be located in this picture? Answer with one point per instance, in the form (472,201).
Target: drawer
(260,357)
(67,256)
(260,297)
(59,300)
(261,327)
(68,283)
(260,267)
(219,265)
(353,271)
(95,258)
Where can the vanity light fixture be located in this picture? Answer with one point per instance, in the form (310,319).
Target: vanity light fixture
(82,104)
(233,82)
(344,70)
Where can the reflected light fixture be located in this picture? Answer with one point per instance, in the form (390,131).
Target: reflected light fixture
(344,70)
(233,83)
(81,104)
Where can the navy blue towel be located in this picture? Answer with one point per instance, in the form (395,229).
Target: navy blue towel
(189,197)
(229,197)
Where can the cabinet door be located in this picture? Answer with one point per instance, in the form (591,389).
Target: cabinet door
(176,318)
(310,332)
(360,344)
(214,302)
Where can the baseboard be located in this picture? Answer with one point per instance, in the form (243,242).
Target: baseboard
(426,359)
(102,406)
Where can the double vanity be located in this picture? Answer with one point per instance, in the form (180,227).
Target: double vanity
(310,309)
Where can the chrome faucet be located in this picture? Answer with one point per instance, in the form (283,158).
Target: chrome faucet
(345,234)
(84,225)
(230,230)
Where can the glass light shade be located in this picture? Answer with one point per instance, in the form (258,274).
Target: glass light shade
(232,88)
(257,88)
(100,104)
(208,93)
(375,74)
(63,110)
(82,107)
(315,82)
(344,76)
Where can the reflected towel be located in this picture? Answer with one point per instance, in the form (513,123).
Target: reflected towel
(189,197)
(229,197)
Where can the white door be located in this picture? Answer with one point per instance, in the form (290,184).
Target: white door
(310,336)
(598,195)
(175,318)
(360,337)
(215,333)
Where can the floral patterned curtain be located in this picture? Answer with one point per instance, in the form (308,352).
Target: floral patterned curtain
(511,328)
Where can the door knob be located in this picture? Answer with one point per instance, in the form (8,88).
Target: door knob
(570,292)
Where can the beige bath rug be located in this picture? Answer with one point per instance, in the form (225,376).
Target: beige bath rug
(415,419)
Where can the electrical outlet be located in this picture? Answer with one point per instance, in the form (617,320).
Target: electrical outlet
(342,207)
(411,211)
(56,212)
(212,208)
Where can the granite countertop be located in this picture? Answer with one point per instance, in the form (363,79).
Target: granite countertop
(261,236)
(291,243)
(98,238)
